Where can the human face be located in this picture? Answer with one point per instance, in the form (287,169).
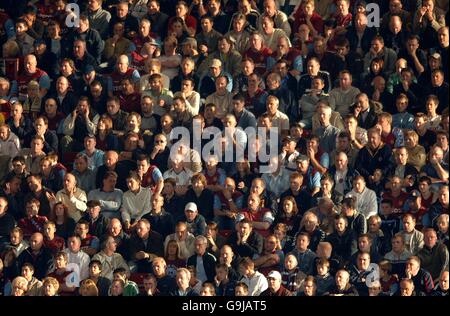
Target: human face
(50,107)
(340,225)
(27,272)
(437,79)
(142,230)
(430,239)
(359,185)
(313,67)
(302,243)
(244,229)
(309,288)
(290,262)
(181,232)
(406,289)
(240,291)
(256,42)
(374,139)
(374,225)
(443,196)
(310,223)
(74,244)
(288,206)
(226,255)
(200,247)
(69,182)
(238,25)
(342,279)
(274,284)
(443,37)
(40,126)
(49,289)
(363,262)
(408,224)
(182,280)
(397,245)
(32,209)
(79,49)
(36,242)
(443,281)
(377,46)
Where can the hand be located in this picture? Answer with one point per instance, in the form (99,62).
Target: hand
(422,11)
(245,237)
(162,103)
(50,197)
(141,255)
(430,15)
(86,114)
(115,38)
(127,225)
(75,113)
(241,185)
(310,152)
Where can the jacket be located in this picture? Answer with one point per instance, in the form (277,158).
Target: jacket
(110,263)
(209,264)
(415,242)
(253,246)
(434,260)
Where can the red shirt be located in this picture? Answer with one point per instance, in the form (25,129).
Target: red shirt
(257,217)
(398,201)
(259,57)
(130,103)
(55,245)
(32,225)
(316,20)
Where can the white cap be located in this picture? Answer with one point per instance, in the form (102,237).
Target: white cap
(275,275)
(191,206)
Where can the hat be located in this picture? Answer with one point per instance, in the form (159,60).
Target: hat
(191,206)
(216,63)
(154,42)
(288,139)
(88,69)
(274,275)
(189,40)
(435,56)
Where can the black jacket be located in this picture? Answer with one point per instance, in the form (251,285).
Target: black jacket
(343,246)
(253,246)
(209,264)
(204,202)
(41,263)
(154,245)
(162,223)
(99,227)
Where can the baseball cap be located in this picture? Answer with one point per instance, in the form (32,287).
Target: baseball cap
(274,275)
(88,69)
(216,63)
(288,139)
(435,56)
(154,42)
(191,206)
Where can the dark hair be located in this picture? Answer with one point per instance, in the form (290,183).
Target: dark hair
(93,203)
(349,202)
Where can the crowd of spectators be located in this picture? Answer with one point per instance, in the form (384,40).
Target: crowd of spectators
(94,200)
